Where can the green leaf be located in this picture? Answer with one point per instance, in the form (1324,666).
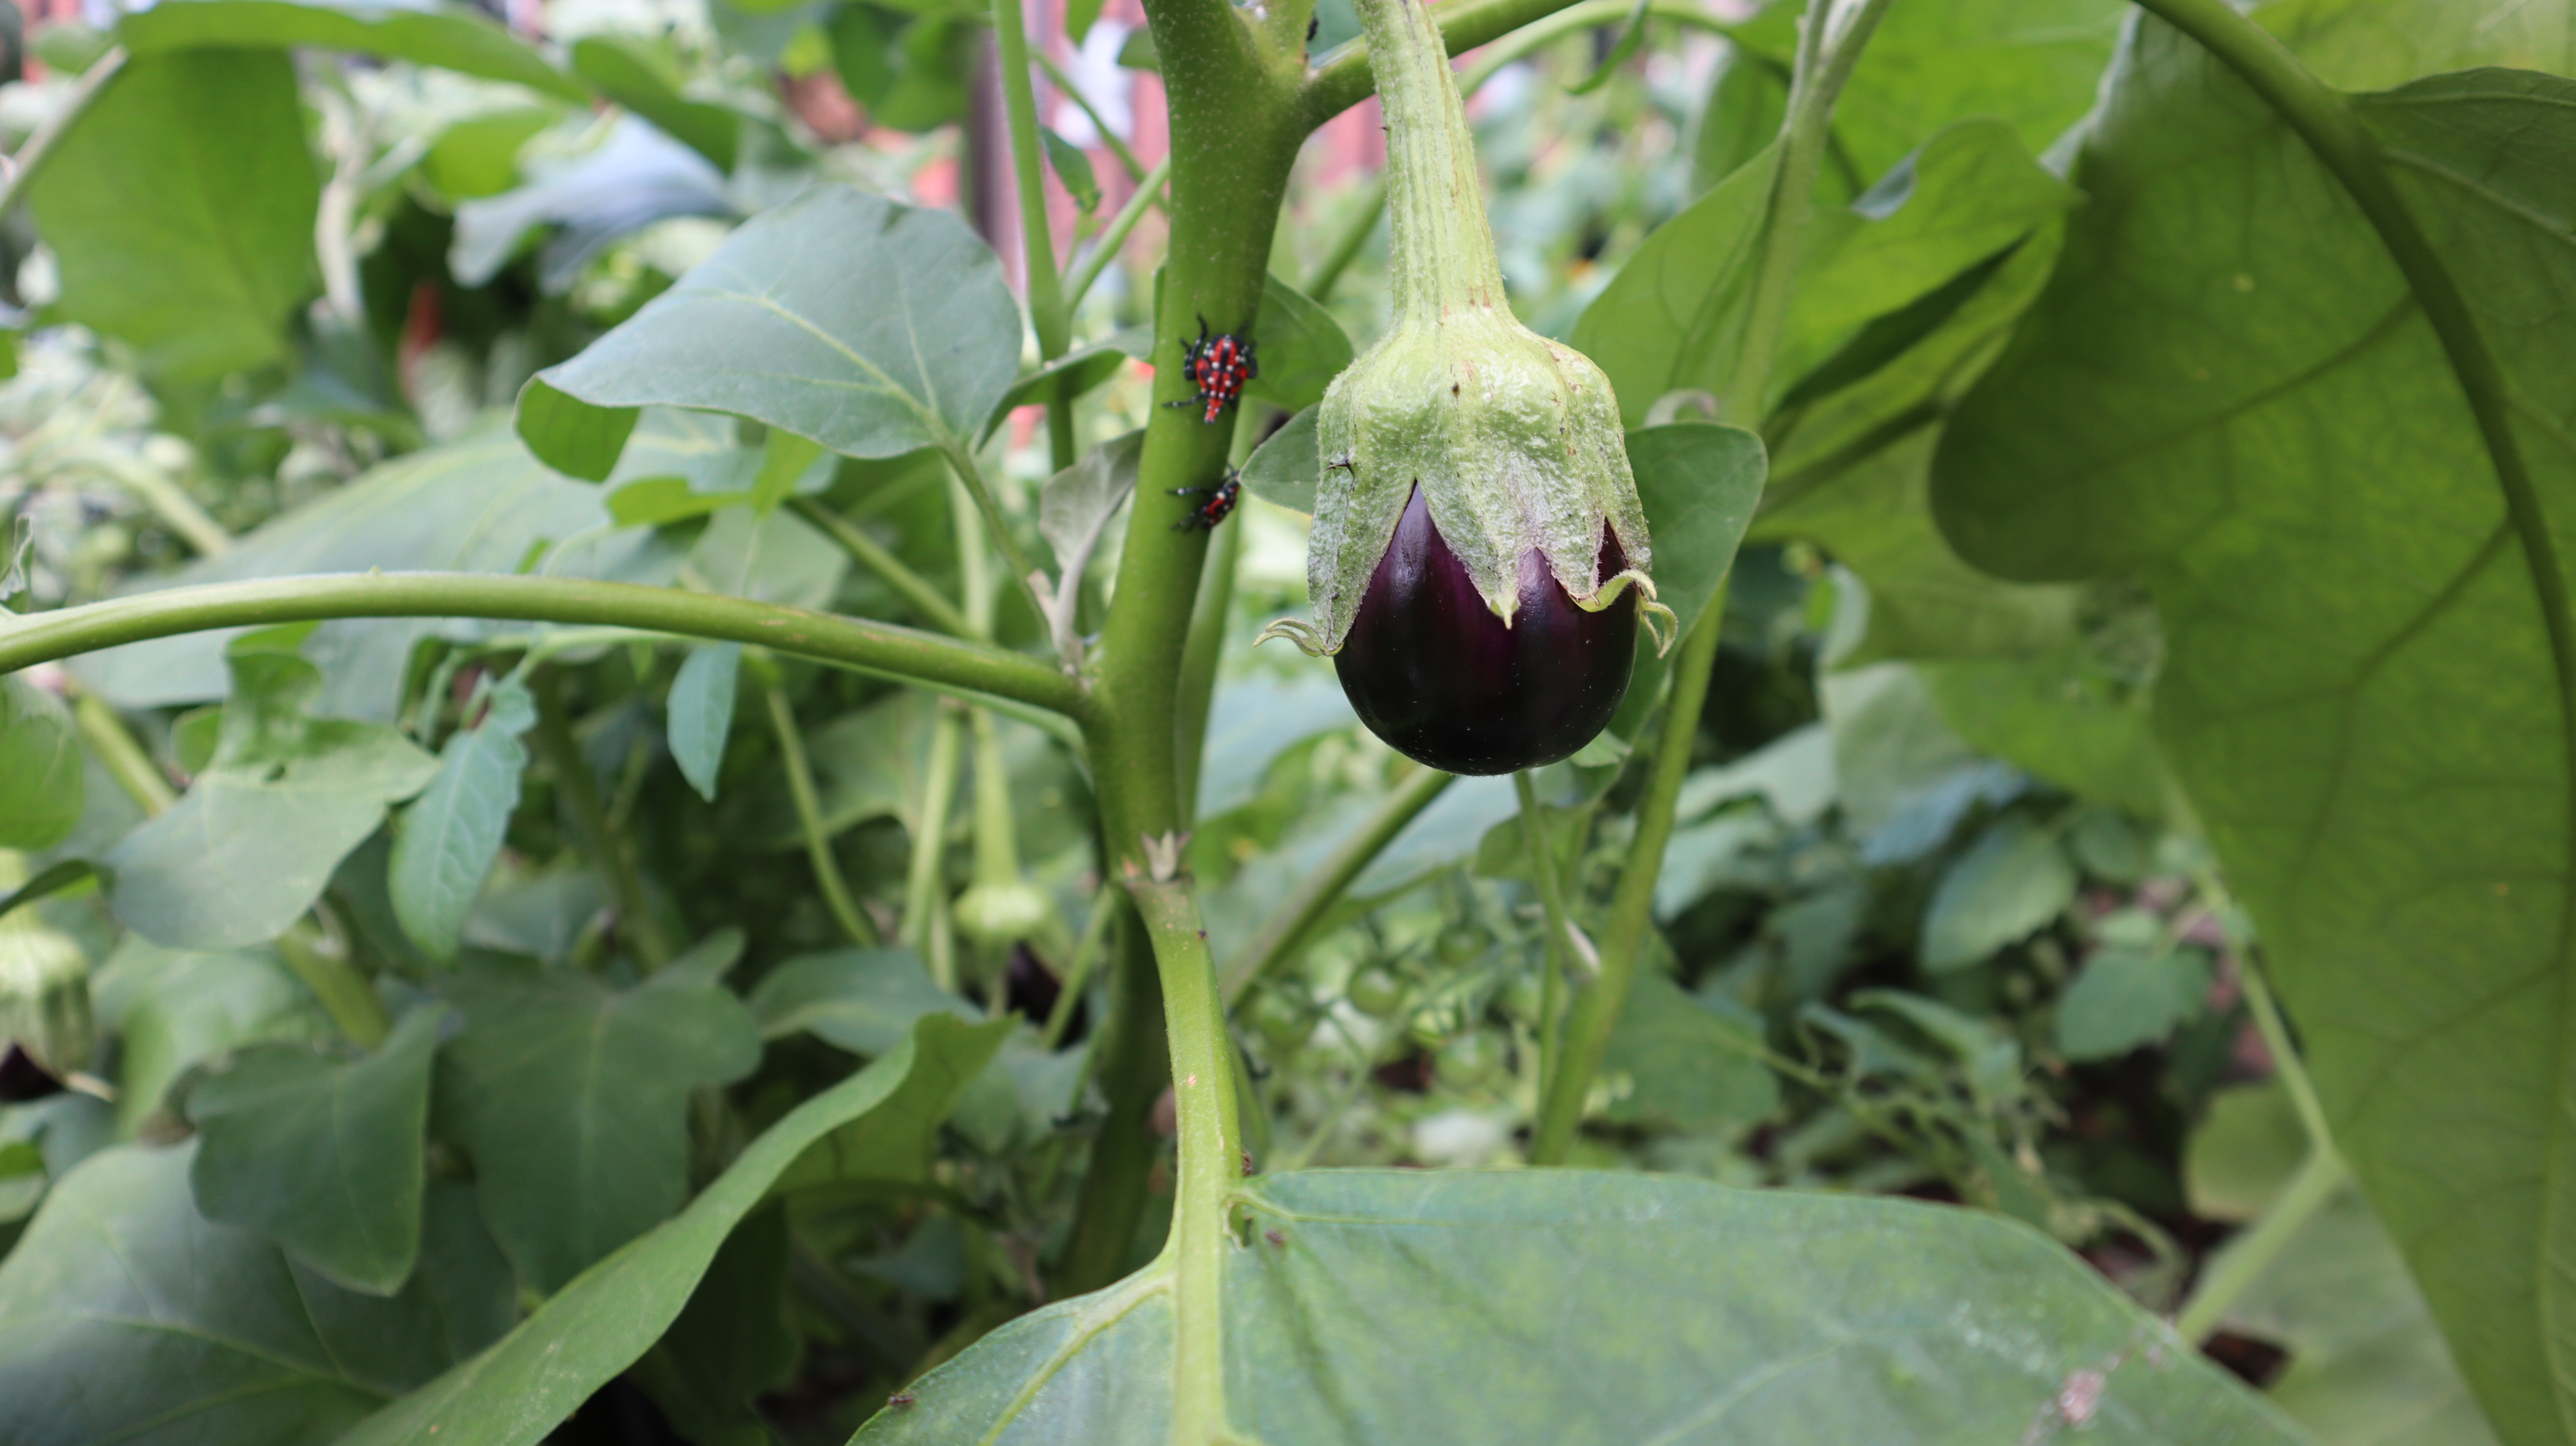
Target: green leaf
(597,1326)
(174,1008)
(1413,1305)
(481,504)
(253,842)
(2124,998)
(2010,883)
(2244,1152)
(1970,192)
(1685,1066)
(1699,482)
(2367,1366)
(2373,44)
(127,1316)
(1285,469)
(445,842)
(573,1099)
(731,1341)
(909,71)
(573,437)
(700,712)
(478,156)
(873,328)
(322,1156)
(863,1000)
(640,75)
(1300,346)
(2229,391)
(2057,717)
(452,37)
(2035,63)
(192,242)
(1073,168)
(41,794)
(1075,372)
(1252,721)
(1672,318)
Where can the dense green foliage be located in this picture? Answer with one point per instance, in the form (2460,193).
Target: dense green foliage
(625,817)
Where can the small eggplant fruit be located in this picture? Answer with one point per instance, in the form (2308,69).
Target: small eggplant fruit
(1431,669)
(1479,562)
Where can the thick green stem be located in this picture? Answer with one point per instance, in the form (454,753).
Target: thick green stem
(1440,258)
(904,653)
(1195,692)
(1596,1010)
(607,850)
(1028,165)
(1211,1149)
(911,586)
(1288,925)
(809,819)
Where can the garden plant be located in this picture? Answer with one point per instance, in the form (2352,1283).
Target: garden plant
(1914,778)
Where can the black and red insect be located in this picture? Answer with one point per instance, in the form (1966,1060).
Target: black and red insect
(1218,507)
(1218,367)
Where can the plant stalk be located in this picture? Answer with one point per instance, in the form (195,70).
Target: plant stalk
(1288,925)
(1597,1008)
(323,964)
(904,653)
(1551,896)
(607,850)
(1149,192)
(113,744)
(809,819)
(1211,1149)
(922,882)
(889,569)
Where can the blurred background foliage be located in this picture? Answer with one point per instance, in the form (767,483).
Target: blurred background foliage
(1936,922)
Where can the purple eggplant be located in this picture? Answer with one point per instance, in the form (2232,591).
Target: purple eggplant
(1431,669)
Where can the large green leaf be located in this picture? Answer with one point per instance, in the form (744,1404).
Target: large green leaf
(172,1008)
(517,1391)
(1373,1306)
(125,1316)
(1300,347)
(40,767)
(573,1099)
(2229,390)
(322,1156)
(253,842)
(455,37)
(873,328)
(180,209)
(482,504)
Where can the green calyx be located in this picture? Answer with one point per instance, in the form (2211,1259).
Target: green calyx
(1514,440)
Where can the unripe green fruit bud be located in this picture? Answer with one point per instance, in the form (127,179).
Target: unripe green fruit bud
(1376,991)
(1001,913)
